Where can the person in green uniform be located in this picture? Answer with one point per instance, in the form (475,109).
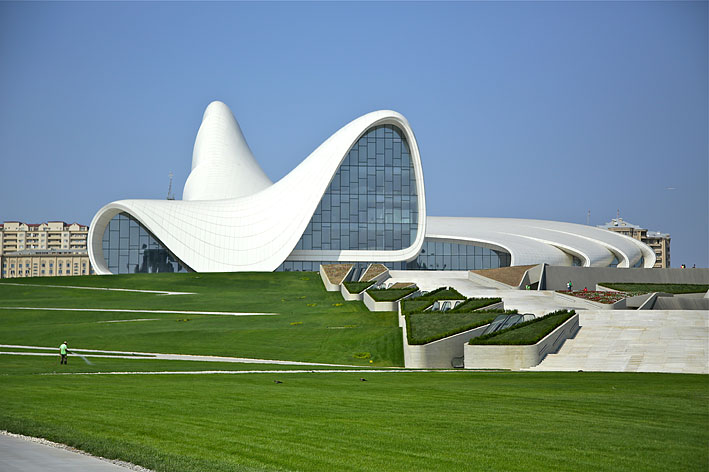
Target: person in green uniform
(63,351)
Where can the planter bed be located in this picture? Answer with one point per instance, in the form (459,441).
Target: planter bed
(422,328)
(529,332)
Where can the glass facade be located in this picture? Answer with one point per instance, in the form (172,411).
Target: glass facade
(129,248)
(434,255)
(439,255)
(372,201)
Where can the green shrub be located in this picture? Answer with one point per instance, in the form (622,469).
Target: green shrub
(529,332)
(667,288)
(391,294)
(357,287)
(422,328)
(414,305)
(472,304)
(442,293)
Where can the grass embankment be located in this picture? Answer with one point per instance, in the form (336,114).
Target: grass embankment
(357,287)
(667,288)
(393,422)
(390,294)
(529,332)
(422,328)
(312,324)
(419,304)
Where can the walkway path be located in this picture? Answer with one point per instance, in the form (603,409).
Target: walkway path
(159,292)
(22,454)
(154,356)
(121,310)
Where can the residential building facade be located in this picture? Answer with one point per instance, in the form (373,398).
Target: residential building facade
(50,249)
(658,242)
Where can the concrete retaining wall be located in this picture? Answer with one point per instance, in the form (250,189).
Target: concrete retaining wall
(379,306)
(556,277)
(519,357)
(350,296)
(437,354)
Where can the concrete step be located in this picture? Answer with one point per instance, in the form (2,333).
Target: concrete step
(636,341)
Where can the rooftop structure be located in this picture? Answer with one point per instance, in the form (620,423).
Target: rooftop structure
(659,242)
(358,197)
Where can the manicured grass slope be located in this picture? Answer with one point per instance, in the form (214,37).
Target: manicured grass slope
(49,365)
(422,328)
(394,421)
(330,330)
(529,332)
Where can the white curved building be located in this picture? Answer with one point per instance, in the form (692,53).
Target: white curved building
(359,197)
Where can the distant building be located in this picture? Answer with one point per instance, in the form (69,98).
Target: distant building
(43,250)
(659,242)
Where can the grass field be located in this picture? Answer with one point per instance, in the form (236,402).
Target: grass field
(393,421)
(313,325)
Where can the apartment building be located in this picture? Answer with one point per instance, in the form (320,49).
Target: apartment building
(43,250)
(659,242)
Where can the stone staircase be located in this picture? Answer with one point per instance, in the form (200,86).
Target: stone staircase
(636,341)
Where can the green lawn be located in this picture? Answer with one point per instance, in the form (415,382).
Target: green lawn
(313,325)
(326,421)
(393,421)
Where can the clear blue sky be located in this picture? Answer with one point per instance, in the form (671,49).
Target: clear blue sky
(532,110)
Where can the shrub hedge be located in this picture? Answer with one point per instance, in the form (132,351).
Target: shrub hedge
(423,328)
(529,332)
(357,287)
(442,293)
(414,306)
(472,304)
(391,294)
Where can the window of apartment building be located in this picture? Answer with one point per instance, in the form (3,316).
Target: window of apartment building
(42,271)
(60,272)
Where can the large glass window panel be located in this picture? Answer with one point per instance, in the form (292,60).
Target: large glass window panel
(131,248)
(374,185)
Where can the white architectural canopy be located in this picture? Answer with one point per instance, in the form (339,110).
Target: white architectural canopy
(233,218)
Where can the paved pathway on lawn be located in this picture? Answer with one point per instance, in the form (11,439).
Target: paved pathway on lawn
(23,454)
(153,355)
(76,287)
(121,310)
(383,370)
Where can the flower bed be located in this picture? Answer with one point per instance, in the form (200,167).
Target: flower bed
(607,298)
(373,271)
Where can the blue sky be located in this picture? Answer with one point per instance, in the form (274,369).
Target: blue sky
(531,110)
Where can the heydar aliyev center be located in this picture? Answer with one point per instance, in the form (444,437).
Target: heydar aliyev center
(359,197)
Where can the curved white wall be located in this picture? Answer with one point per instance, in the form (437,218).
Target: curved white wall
(232,218)
(258,231)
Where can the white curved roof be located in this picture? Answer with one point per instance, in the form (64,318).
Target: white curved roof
(536,241)
(223,165)
(233,218)
(252,230)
